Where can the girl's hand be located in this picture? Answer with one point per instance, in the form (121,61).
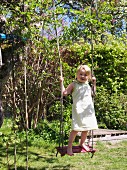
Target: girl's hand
(61,79)
(93,79)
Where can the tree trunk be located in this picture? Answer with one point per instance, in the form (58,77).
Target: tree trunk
(1,110)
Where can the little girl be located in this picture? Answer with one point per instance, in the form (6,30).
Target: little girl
(83,113)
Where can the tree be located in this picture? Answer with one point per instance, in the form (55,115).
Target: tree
(32,88)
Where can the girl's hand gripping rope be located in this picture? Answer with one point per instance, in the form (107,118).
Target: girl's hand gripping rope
(93,85)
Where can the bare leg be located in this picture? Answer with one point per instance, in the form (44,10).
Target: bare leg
(71,139)
(83,138)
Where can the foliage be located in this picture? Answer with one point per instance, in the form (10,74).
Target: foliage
(32,90)
(111,58)
(111,109)
(41,35)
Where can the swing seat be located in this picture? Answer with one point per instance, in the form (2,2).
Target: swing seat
(75,149)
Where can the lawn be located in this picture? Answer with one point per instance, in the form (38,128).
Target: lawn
(42,156)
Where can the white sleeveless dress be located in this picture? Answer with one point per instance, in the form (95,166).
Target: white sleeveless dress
(83,113)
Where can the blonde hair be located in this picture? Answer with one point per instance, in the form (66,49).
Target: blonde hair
(86,68)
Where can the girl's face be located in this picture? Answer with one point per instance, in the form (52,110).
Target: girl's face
(82,76)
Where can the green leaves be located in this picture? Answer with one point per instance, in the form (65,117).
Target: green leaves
(84,34)
(110,109)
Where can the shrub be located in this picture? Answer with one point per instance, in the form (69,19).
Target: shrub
(111,109)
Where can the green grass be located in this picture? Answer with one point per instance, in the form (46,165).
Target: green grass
(42,156)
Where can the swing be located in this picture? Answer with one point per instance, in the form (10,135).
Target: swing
(63,149)
(75,149)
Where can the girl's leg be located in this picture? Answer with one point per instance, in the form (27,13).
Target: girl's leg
(71,139)
(83,138)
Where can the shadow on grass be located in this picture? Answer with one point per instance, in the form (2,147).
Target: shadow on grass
(48,158)
(45,168)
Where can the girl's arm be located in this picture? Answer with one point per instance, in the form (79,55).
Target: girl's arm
(93,86)
(67,90)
